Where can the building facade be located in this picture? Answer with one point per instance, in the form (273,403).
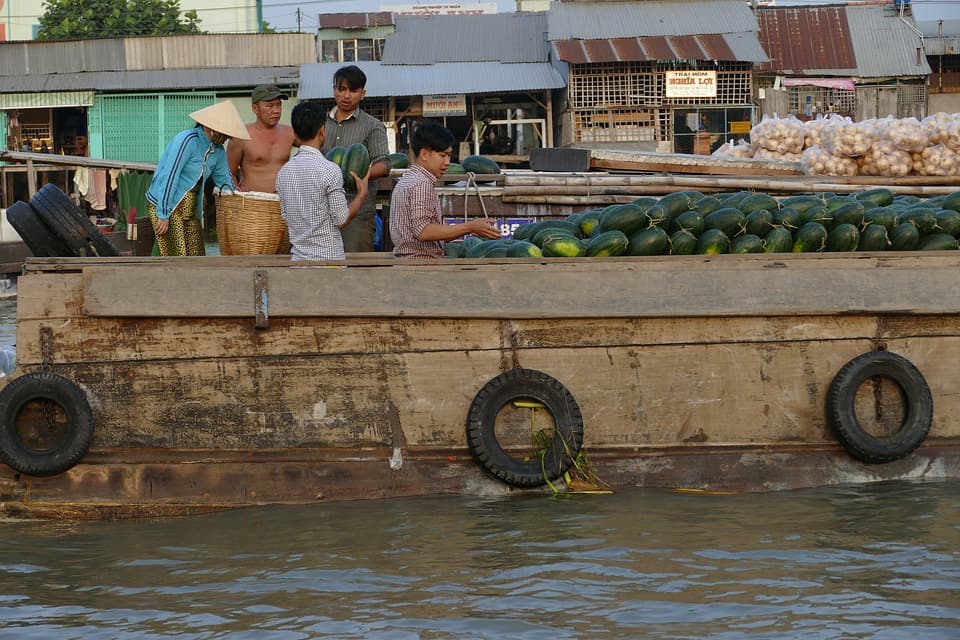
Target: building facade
(654,75)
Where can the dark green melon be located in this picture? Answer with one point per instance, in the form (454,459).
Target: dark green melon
(747,243)
(683,243)
(758,201)
(850,213)
(453,249)
(652,241)
(843,237)
(800,203)
(549,232)
(608,243)
(728,220)
(788,217)
(480,165)
(563,247)
(690,221)
(357,160)
(708,204)
(810,238)
(677,202)
(759,223)
(778,240)
(524,249)
(906,237)
(949,222)
(951,202)
(937,242)
(713,241)
(884,216)
(335,155)
(924,218)
(645,202)
(874,237)
(625,218)
(399,160)
(476,250)
(879,197)
(834,203)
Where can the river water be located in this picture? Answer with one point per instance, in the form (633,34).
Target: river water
(879,561)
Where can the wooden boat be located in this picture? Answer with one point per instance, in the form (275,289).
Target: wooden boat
(155,386)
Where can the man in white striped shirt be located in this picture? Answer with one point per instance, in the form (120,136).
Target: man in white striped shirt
(312,200)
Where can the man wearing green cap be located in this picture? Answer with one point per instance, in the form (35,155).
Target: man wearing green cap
(254,163)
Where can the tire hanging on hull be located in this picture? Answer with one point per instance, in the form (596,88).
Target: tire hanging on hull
(555,458)
(842,414)
(28,415)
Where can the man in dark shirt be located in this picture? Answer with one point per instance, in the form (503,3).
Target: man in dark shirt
(347,124)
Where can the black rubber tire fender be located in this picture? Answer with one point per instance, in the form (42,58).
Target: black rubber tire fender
(38,237)
(70,223)
(528,384)
(44,385)
(841,409)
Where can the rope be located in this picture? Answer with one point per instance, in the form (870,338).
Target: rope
(472,180)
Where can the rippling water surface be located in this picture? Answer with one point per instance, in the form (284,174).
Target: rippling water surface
(879,561)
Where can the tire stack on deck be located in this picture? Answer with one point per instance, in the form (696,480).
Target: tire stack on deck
(689,222)
(51,225)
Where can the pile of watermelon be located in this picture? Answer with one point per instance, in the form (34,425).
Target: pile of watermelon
(689,222)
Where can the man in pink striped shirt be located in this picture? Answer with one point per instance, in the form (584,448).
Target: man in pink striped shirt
(416,224)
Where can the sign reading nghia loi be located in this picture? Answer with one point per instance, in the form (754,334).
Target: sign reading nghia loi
(691,84)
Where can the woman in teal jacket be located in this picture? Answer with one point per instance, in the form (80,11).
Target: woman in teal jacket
(175,196)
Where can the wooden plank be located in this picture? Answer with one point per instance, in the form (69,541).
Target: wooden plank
(776,391)
(603,289)
(653,161)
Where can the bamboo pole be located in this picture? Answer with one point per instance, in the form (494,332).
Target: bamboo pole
(520,185)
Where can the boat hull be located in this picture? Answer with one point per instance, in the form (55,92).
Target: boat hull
(227,382)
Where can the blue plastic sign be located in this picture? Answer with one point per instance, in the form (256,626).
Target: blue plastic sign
(507,225)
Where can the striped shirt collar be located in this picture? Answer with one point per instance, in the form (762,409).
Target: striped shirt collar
(333,114)
(417,169)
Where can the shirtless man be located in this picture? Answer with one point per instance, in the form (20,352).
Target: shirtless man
(254,163)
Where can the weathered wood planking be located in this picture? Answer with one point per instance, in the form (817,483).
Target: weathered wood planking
(730,393)
(722,286)
(624,160)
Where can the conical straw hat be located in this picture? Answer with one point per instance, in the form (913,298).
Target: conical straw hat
(223,118)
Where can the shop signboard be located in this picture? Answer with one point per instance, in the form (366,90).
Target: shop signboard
(440,8)
(691,84)
(446,104)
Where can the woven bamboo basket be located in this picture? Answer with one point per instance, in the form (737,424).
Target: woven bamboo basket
(250,223)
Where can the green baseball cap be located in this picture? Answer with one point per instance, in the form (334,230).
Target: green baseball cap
(267,92)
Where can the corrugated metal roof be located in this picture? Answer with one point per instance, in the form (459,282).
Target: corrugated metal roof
(179,79)
(607,20)
(866,41)
(46,100)
(167,52)
(941,46)
(731,46)
(503,37)
(798,38)
(233,50)
(316,80)
(885,45)
(355,20)
(62,56)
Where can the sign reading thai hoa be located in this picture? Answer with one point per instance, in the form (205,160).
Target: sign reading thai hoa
(691,84)
(445,104)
